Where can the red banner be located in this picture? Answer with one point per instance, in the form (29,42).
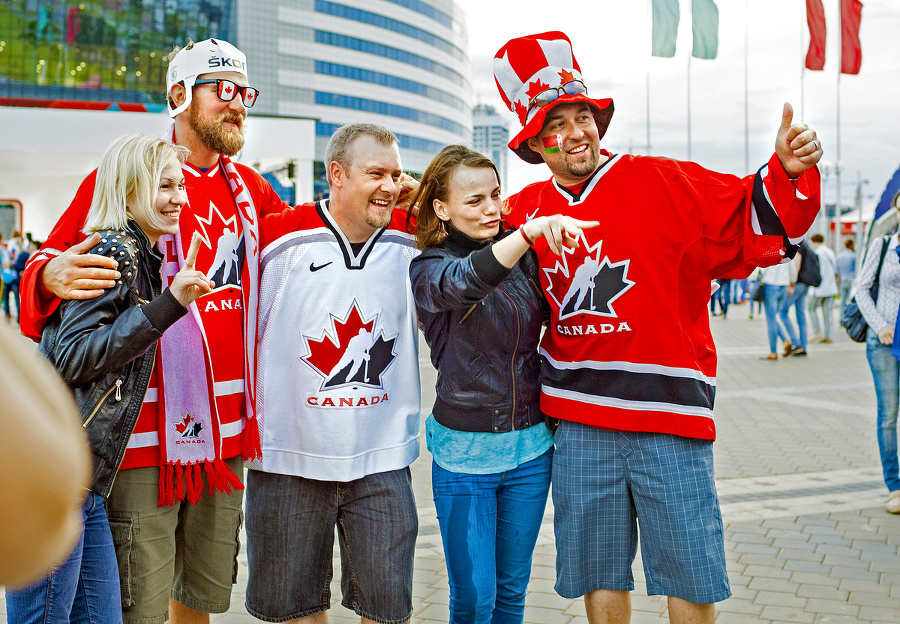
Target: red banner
(815,19)
(851,49)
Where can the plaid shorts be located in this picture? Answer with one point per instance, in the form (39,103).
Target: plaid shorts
(607,483)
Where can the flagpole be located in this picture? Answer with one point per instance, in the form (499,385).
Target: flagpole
(746,91)
(689,107)
(649,61)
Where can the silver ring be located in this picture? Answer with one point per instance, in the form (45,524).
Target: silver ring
(816,144)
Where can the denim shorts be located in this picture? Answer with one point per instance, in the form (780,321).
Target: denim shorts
(187,552)
(606,483)
(290,545)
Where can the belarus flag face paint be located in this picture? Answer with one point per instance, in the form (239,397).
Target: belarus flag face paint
(552,144)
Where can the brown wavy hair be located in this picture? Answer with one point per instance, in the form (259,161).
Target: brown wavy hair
(435,184)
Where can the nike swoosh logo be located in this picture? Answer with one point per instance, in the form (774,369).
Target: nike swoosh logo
(314,268)
(529,217)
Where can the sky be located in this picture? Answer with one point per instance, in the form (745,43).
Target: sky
(611,41)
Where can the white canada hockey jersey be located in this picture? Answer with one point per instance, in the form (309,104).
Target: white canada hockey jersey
(337,362)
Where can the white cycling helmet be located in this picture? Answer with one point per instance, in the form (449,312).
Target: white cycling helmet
(206,57)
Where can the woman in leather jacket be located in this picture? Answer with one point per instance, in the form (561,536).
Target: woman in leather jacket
(102,348)
(481,310)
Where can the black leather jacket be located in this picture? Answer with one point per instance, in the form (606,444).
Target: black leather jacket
(482,322)
(102,347)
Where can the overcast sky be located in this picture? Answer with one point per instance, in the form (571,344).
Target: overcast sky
(611,40)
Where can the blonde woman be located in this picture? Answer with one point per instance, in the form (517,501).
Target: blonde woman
(104,349)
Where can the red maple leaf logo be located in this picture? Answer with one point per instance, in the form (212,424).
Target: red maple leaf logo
(227,90)
(185,422)
(565,76)
(521,111)
(325,353)
(536,87)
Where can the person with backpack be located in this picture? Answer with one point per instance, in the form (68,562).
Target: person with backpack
(808,275)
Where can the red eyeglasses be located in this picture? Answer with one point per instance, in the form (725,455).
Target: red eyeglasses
(228,90)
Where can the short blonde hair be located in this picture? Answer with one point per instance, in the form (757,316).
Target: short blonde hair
(128,180)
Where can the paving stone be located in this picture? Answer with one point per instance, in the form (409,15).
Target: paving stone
(854,573)
(794,544)
(828,592)
(767,572)
(738,605)
(780,599)
(810,578)
(820,605)
(770,584)
(857,585)
(757,559)
(792,554)
(845,561)
(878,614)
(737,618)
(758,549)
(806,566)
(786,614)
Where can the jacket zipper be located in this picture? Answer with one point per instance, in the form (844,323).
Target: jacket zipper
(118,388)
(512,362)
(468,312)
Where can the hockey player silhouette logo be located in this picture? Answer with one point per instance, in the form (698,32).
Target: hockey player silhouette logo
(592,287)
(355,353)
(220,236)
(188,428)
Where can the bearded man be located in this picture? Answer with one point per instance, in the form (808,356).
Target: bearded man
(175,509)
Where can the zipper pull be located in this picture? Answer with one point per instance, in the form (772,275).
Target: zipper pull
(118,389)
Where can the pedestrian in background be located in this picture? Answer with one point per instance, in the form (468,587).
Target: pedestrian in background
(882,351)
(822,296)
(777,282)
(846,268)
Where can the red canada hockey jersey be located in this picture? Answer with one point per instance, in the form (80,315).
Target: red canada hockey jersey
(629,346)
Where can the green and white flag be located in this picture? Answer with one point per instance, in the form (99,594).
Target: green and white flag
(705,21)
(665,27)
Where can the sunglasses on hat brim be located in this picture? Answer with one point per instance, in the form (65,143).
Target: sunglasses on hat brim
(227,90)
(552,94)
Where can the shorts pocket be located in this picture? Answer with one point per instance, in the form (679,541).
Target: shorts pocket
(123,539)
(237,546)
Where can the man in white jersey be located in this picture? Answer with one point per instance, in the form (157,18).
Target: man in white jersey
(338,396)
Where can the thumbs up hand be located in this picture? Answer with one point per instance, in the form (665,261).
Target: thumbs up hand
(796,144)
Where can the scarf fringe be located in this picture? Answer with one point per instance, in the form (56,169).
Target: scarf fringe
(250,446)
(185,483)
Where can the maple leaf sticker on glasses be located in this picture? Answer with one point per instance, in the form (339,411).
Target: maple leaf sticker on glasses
(354,353)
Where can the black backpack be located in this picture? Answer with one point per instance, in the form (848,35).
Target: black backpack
(810,271)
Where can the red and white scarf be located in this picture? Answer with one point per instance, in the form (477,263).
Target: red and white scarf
(187,403)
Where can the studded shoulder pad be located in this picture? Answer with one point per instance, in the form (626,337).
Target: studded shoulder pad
(122,247)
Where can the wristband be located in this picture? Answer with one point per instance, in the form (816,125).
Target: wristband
(525,236)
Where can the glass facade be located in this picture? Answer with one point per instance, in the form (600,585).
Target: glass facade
(100,50)
(366,17)
(386,108)
(378,49)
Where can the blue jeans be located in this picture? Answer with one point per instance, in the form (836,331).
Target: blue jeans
(886,373)
(84,589)
(489,526)
(774,297)
(798,300)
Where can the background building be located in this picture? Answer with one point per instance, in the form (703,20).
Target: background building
(75,76)
(490,135)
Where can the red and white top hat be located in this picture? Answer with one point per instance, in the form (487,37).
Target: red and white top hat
(528,66)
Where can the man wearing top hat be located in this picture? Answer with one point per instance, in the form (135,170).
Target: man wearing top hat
(629,364)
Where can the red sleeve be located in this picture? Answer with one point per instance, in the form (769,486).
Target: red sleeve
(265,198)
(38,304)
(274,225)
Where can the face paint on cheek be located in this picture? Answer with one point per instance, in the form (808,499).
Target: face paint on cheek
(552,144)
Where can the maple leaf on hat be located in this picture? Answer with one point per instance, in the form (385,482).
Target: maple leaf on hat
(565,76)
(521,111)
(536,87)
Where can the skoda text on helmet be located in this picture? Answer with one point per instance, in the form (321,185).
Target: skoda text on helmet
(534,74)
(206,57)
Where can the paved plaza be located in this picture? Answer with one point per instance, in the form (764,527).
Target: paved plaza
(807,536)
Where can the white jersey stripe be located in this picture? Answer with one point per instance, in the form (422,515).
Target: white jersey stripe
(631,367)
(639,406)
